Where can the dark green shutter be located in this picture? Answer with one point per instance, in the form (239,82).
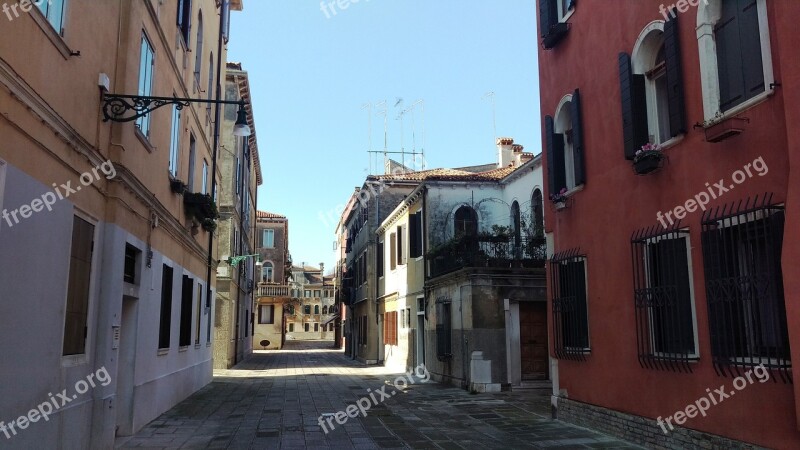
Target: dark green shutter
(677,105)
(634,107)
(750,43)
(729,57)
(548,16)
(578,149)
(556,176)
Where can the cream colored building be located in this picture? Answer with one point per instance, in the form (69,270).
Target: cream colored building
(91,205)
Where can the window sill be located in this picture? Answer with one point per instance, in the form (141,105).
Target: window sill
(672,142)
(162,352)
(54,36)
(74,360)
(143,139)
(738,109)
(196,345)
(183,349)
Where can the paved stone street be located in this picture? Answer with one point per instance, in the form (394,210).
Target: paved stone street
(274,400)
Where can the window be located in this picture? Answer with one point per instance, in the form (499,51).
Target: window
(516,223)
(166,307)
(198,51)
(402,318)
(742,248)
(204,186)
(444,329)
(552,17)
(316,309)
(408,317)
(268,239)
(267,272)
(307,328)
(210,88)
(291,327)
(537,213)
(570,311)
(401,251)
(415,235)
(663,299)
(53,10)
(392,251)
(564,145)
(198,314)
(147,62)
(266,314)
(735,54)
(390,328)
(79,287)
(317,293)
(226,21)
(651,83)
(192,161)
(307,293)
(325,309)
(131,261)
(381,258)
(187,295)
(306,309)
(174,146)
(465,222)
(316,327)
(185,19)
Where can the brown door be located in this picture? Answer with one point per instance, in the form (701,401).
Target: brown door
(533,340)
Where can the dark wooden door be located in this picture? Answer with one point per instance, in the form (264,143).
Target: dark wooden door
(533,340)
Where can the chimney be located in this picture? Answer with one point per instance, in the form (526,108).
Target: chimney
(322,268)
(516,149)
(504,152)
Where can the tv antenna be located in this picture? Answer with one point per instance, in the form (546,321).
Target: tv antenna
(490,96)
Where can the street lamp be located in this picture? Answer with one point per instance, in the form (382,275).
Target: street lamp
(127,108)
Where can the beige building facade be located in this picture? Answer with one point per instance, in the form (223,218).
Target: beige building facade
(92,204)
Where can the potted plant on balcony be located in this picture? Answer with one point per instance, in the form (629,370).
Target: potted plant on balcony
(177,186)
(648,159)
(560,199)
(201,208)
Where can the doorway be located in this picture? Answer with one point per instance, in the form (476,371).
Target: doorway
(126,366)
(420,332)
(533,340)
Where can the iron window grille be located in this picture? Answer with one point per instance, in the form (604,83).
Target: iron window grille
(663,298)
(570,309)
(444,328)
(742,245)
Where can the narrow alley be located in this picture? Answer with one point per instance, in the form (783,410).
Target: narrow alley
(275,399)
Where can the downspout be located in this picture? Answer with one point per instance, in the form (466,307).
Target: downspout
(377,280)
(214,151)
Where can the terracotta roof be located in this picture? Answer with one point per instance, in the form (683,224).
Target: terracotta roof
(424,175)
(453,175)
(268,215)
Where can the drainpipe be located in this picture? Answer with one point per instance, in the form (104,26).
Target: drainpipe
(217,109)
(377,280)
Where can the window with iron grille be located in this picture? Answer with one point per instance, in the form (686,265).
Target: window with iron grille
(570,310)
(131,258)
(444,328)
(744,286)
(663,298)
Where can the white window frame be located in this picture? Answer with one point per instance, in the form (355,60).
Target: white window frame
(707,17)
(204,189)
(643,58)
(83,358)
(564,110)
(562,15)
(45,6)
(143,123)
(693,302)
(265,233)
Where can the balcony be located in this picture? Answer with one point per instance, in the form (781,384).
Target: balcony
(485,250)
(273,290)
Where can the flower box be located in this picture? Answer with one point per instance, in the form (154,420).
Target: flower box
(648,163)
(725,129)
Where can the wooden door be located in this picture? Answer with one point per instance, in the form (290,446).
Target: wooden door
(533,340)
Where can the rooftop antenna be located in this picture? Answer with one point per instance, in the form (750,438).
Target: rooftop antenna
(368,106)
(385,112)
(420,102)
(402,113)
(490,95)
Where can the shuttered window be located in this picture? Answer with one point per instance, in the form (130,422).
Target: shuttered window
(390,328)
(187,295)
(551,20)
(393,251)
(165,322)
(634,107)
(78,288)
(415,235)
(739,58)
(381,258)
(554,143)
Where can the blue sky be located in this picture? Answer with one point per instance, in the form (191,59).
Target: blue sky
(310,74)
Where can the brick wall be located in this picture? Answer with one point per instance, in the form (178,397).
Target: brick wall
(641,430)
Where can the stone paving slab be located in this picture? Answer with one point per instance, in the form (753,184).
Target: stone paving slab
(274,400)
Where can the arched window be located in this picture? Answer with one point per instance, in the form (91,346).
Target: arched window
(516,224)
(563,129)
(306,326)
(325,309)
(316,309)
(537,214)
(465,222)
(198,51)
(267,271)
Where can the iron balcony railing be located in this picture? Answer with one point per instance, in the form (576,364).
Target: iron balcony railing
(487,251)
(273,290)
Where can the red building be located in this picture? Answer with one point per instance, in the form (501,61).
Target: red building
(671,134)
